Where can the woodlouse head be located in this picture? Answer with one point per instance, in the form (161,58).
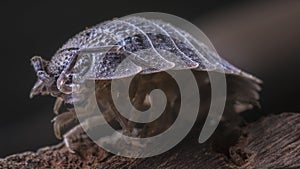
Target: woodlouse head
(45,80)
(49,73)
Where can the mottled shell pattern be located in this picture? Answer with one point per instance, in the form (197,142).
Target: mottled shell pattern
(142,46)
(131,46)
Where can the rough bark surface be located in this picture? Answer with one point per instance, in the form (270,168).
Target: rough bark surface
(273,142)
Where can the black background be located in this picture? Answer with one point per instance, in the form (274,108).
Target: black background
(31,28)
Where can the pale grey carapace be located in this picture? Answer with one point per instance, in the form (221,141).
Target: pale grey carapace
(146,48)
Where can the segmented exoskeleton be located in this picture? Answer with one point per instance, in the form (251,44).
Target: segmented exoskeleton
(146,48)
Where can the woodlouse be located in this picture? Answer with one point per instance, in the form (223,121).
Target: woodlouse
(155,46)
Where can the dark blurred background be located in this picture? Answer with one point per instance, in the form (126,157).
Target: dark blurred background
(261,37)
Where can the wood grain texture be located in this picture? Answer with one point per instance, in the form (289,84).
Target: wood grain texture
(273,142)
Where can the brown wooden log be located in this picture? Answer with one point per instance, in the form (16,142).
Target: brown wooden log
(272,142)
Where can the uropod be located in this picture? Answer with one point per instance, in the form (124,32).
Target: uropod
(146,49)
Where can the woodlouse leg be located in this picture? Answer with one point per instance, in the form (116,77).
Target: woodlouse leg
(63,78)
(68,118)
(63,86)
(93,121)
(137,102)
(122,121)
(77,132)
(38,88)
(57,105)
(71,135)
(173,100)
(102,49)
(63,120)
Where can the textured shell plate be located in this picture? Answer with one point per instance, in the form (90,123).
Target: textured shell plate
(144,46)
